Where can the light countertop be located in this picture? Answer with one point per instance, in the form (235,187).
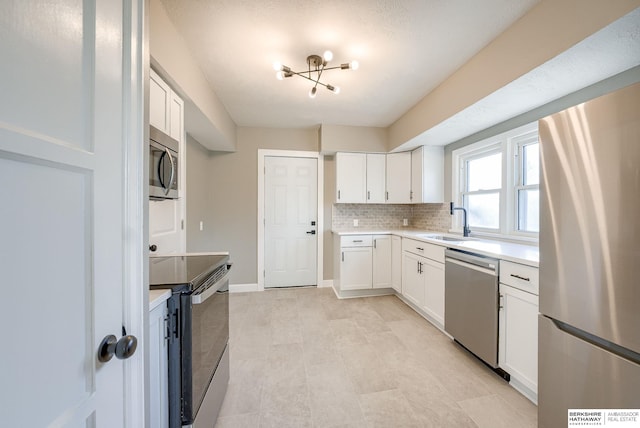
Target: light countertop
(157,297)
(518,253)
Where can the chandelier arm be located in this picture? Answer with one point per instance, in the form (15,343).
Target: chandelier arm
(302,74)
(335,68)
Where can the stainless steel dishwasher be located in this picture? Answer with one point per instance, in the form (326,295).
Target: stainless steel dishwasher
(471,303)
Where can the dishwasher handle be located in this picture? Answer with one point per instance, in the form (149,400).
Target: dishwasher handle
(474,261)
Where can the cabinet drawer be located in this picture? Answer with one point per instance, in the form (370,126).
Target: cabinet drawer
(431,251)
(519,276)
(356,241)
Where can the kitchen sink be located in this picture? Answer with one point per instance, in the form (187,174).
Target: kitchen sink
(443,238)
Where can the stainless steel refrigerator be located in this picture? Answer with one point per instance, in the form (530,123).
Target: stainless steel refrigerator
(589,323)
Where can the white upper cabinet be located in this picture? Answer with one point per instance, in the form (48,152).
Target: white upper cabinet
(351,178)
(176,117)
(159,103)
(427,175)
(399,178)
(166,108)
(376,170)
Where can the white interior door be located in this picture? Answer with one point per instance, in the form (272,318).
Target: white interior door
(291,207)
(62,228)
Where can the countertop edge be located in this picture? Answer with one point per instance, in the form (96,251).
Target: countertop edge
(507,249)
(157,297)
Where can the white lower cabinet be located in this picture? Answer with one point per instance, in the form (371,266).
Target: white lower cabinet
(423,278)
(518,339)
(381,269)
(434,290)
(413,279)
(362,262)
(158,368)
(356,268)
(396,263)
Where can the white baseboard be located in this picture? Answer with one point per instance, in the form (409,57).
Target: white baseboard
(326,283)
(242,288)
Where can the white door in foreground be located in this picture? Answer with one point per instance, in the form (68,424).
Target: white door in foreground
(291,207)
(62,228)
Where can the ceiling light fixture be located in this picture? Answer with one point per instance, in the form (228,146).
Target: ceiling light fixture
(316,66)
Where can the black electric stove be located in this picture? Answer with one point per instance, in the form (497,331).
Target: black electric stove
(198,327)
(191,270)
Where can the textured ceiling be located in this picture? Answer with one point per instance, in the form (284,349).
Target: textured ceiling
(405,49)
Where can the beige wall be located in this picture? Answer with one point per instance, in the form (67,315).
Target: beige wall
(329,197)
(548,29)
(206,118)
(233,181)
(199,198)
(340,138)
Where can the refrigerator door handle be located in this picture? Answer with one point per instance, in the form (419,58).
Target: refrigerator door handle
(614,348)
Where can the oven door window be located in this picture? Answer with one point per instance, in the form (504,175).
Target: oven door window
(210,334)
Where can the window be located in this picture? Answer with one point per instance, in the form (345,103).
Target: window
(481,193)
(497,181)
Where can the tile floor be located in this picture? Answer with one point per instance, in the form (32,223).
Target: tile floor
(303,358)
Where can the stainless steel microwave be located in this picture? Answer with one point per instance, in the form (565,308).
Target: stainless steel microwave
(163,165)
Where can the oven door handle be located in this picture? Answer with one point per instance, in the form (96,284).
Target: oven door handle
(196,299)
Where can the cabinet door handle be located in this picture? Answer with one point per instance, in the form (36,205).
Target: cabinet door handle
(357,240)
(419,249)
(343,256)
(387,194)
(374,243)
(338,195)
(520,277)
(500,305)
(411,195)
(368,195)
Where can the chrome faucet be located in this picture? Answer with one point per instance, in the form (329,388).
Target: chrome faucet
(465,231)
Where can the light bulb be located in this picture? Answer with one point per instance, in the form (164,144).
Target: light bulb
(277,66)
(312,92)
(328,55)
(280,75)
(355,65)
(336,90)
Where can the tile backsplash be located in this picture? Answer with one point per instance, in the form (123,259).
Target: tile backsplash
(433,217)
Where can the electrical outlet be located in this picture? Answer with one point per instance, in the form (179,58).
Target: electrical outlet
(405,222)
(355,222)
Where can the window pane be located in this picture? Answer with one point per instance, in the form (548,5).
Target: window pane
(531,164)
(528,210)
(484,210)
(485,173)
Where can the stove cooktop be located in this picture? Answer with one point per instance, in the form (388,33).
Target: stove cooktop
(183,269)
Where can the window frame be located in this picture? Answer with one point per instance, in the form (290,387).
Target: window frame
(510,144)
(519,144)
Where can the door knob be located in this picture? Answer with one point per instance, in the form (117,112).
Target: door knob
(153,247)
(122,349)
(311,232)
